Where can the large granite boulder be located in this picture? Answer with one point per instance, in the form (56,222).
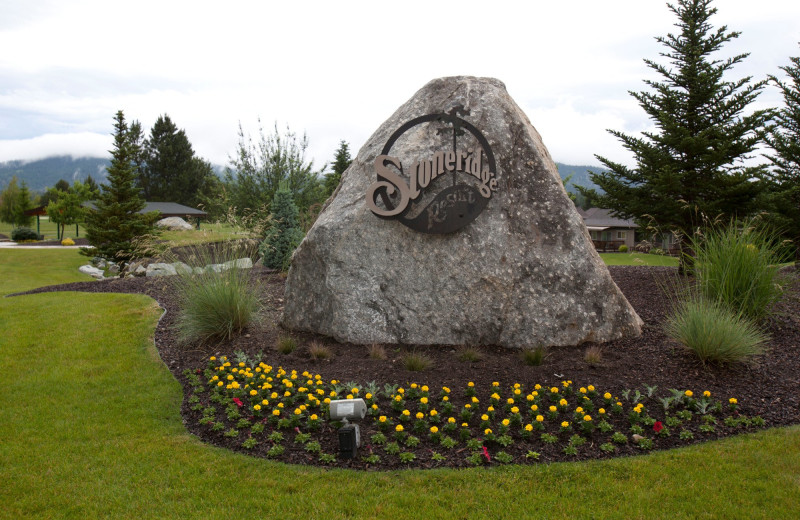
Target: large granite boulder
(452,226)
(174,224)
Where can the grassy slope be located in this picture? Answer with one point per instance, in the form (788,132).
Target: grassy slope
(90,427)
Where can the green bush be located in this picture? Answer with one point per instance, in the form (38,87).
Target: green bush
(20,234)
(214,306)
(737,265)
(712,331)
(283,237)
(623,248)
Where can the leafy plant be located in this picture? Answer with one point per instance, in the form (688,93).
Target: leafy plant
(371,459)
(607,447)
(392,448)
(503,457)
(312,447)
(327,458)
(407,457)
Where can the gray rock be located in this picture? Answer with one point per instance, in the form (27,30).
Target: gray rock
(174,224)
(522,273)
(241,263)
(113,268)
(181,268)
(91,271)
(160,269)
(140,271)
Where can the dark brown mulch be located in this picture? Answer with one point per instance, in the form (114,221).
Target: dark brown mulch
(768,388)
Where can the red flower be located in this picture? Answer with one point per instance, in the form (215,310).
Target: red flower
(657,427)
(486,454)
(237,401)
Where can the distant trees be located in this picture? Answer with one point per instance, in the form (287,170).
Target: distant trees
(169,171)
(783,189)
(15,200)
(341,162)
(259,168)
(115,226)
(692,164)
(66,206)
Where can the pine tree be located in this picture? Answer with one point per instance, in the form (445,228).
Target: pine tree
(691,166)
(285,234)
(115,226)
(784,138)
(341,162)
(14,202)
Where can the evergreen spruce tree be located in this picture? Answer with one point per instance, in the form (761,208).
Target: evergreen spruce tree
(115,226)
(14,202)
(341,162)
(691,166)
(784,138)
(285,234)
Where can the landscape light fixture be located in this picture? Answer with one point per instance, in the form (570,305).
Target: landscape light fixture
(346,410)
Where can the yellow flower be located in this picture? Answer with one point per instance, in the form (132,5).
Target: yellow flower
(553,408)
(401,391)
(506,422)
(733,400)
(509,401)
(230,377)
(487,431)
(434,413)
(398,428)
(413,385)
(490,409)
(424,388)
(562,402)
(565,424)
(354,391)
(314,417)
(528,427)
(539,418)
(495,396)
(706,394)
(220,383)
(474,399)
(601,411)
(424,400)
(445,390)
(579,410)
(606,395)
(495,384)
(253,392)
(287,393)
(445,398)
(451,420)
(434,429)
(327,400)
(464,425)
(537,386)
(257,407)
(349,396)
(470,384)
(514,409)
(517,391)
(554,390)
(565,384)
(591,388)
(534,408)
(265,402)
(374,406)
(582,390)
(530,397)
(484,417)
(587,418)
(398,398)
(382,418)
(241,364)
(276,412)
(280,405)
(467,406)
(368,396)
(406,413)
(688,393)
(212,358)
(420,415)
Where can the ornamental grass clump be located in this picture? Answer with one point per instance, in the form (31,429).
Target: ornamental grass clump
(216,303)
(737,266)
(713,332)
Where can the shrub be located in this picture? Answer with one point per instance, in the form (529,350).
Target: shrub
(737,265)
(286,345)
(712,331)
(623,248)
(214,305)
(283,237)
(534,356)
(21,234)
(416,362)
(470,354)
(67,242)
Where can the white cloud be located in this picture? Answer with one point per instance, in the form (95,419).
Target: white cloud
(82,144)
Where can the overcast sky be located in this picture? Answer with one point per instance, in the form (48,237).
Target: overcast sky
(337,70)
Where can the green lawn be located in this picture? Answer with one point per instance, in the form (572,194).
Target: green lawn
(90,428)
(638,259)
(46,228)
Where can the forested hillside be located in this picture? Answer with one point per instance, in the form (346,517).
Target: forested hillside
(45,173)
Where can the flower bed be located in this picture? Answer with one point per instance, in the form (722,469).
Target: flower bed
(283,414)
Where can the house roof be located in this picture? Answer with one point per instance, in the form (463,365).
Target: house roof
(167,209)
(600,218)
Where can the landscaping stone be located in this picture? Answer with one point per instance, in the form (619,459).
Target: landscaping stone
(240,263)
(181,268)
(91,271)
(161,269)
(522,273)
(174,224)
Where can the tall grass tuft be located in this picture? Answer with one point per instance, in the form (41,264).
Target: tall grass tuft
(713,331)
(737,265)
(215,304)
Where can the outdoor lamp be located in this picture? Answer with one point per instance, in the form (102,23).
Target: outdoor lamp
(349,434)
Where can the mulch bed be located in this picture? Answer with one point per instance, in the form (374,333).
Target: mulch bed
(78,242)
(768,388)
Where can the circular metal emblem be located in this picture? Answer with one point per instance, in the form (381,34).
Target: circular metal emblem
(441,192)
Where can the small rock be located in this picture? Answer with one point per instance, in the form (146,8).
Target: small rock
(160,269)
(637,438)
(91,271)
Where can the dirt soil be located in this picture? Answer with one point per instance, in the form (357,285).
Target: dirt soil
(769,388)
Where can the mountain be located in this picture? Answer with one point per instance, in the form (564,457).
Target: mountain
(45,173)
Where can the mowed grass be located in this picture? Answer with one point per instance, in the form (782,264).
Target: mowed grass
(47,228)
(215,232)
(25,269)
(90,428)
(638,259)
